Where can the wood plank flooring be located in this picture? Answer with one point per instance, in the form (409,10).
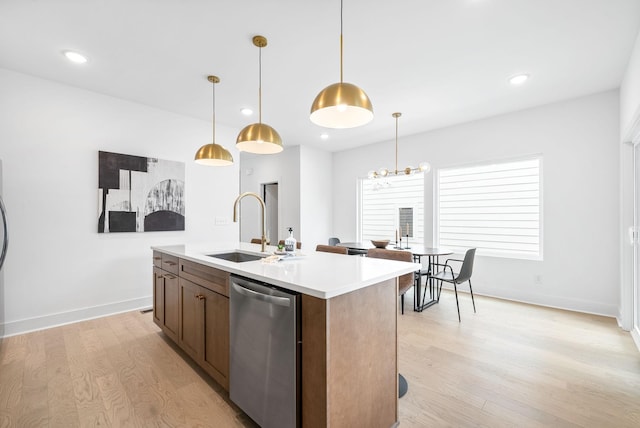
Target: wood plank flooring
(516,365)
(509,365)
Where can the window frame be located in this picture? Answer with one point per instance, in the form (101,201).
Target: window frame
(396,205)
(484,251)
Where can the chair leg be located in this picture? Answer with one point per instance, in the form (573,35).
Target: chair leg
(402,304)
(455,289)
(472,301)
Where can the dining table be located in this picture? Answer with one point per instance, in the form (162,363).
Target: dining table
(433,258)
(356,247)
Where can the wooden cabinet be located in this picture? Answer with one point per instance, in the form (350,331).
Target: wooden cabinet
(215,349)
(165,298)
(191,305)
(204,329)
(190,324)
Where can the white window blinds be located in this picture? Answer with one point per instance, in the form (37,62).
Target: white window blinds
(493,207)
(392,203)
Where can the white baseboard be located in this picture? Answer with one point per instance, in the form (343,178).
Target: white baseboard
(13,328)
(567,304)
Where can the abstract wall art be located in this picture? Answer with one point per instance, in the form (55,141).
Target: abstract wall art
(139,194)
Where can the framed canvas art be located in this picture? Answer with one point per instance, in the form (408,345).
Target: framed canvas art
(139,194)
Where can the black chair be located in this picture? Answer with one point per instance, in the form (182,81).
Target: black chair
(357,252)
(448,275)
(334,241)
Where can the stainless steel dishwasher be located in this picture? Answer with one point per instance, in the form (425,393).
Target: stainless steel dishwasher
(264,378)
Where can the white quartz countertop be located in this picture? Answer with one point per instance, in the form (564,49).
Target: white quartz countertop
(322,275)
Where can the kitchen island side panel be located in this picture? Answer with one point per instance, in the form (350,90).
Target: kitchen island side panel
(349,358)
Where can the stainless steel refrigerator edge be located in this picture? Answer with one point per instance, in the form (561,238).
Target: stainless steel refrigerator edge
(264,377)
(3,253)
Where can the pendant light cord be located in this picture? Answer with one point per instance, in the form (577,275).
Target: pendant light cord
(260,85)
(396,145)
(341,41)
(214,112)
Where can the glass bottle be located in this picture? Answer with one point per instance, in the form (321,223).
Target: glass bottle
(290,242)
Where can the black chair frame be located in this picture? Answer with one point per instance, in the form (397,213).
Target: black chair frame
(464,275)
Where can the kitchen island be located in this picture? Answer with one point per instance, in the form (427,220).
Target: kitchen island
(348,323)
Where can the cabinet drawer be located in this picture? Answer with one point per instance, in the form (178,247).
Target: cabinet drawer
(157,259)
(170,263)
(214,279)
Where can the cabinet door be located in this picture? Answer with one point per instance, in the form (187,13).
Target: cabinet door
(158,297)
(171,305)
(190,325)
(215,358)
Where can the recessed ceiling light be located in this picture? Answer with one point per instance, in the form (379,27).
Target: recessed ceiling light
(246,111)
(324,136)
(75,57)
(518,79)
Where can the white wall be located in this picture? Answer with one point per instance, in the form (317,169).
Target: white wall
(579,141)
(282,168)
(59,269)
(630,93)
(316,203)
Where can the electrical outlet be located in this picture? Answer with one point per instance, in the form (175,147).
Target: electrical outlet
(219,221)
(537,279)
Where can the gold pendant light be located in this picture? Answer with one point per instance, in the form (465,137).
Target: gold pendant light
(341,105)
(213,154)
(385,172)
(259,137)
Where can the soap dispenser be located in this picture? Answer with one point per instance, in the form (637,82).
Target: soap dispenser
(290,242)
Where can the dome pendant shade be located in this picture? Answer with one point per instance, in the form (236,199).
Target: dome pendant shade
(259,138)
(341,105)
(213,155)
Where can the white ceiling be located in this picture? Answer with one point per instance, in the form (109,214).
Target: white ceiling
(439,62)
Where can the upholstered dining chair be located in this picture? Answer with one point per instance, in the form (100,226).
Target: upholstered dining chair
(332,249)
(447,274)
(298,243)
(405,282)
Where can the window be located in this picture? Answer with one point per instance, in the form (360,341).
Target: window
(392,204)
(493,207)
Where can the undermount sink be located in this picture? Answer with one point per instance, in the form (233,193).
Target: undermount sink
(236,257)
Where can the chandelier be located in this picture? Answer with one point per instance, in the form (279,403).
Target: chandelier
(385,172)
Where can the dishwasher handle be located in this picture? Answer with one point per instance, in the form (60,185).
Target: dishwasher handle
(280,301)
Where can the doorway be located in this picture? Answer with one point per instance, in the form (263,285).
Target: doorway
(270,197)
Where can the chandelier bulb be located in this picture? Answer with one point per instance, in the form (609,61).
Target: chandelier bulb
(424,167)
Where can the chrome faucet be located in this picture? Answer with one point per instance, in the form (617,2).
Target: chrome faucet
(264,220)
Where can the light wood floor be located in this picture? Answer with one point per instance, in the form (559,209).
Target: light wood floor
(508,365)
(516,365)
